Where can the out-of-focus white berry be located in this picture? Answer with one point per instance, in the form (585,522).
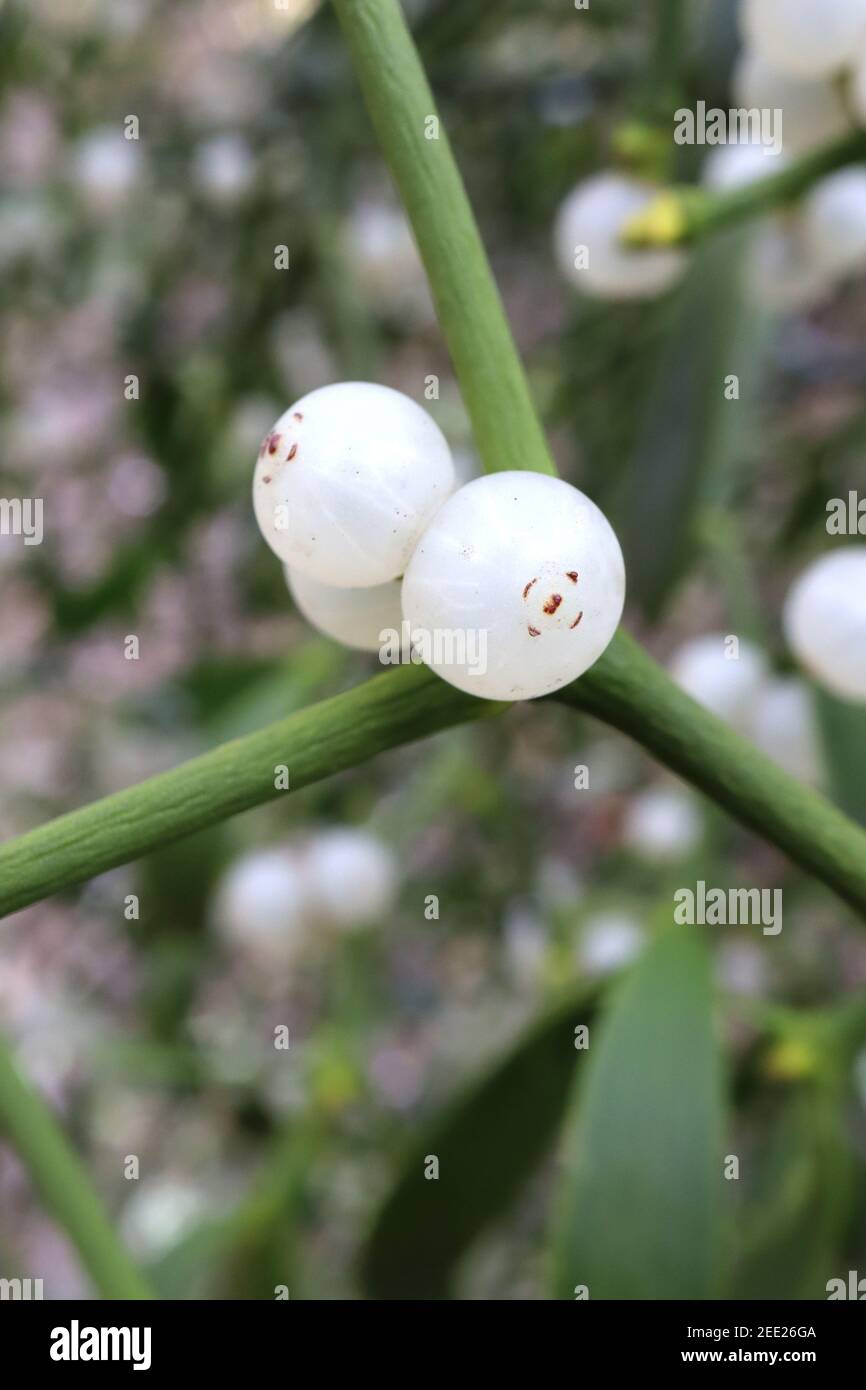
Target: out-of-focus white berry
(813,110)
(736,165)
(783,726)
(741,967)
(857,88)
(783,275)
(261,906)
(662,824)
(106,167)
(609,941)
(223,168)
(834,222)
(355,617)
(346,482)
(527,576)
(160,1213)
(382,252)
(811,38)
(352,877)
(525,945)
(588,247)
(726,685)
(825,621)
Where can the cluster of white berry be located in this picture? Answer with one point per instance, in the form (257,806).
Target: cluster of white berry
(737,685)
(806,60)
(271,902)
(825,621)
(355,490)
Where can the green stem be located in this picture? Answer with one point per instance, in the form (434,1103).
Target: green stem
(61,1181)
(681,215)
(313,744)
(628,690)
(507,430)
(625,688)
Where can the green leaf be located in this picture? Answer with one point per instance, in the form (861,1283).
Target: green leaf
(691,434)
(789,1232)
(843,734)
(640,1210)
(488,1142)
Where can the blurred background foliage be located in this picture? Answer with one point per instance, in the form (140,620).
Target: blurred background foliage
(410,1037)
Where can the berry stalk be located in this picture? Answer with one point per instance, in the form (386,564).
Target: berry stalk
(679,216)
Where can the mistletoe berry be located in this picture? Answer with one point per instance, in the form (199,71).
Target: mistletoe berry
(811,38)
(526,563)
(355,617)
(825,621)
(347,480)
(834,222)
(587,241)
(352,877)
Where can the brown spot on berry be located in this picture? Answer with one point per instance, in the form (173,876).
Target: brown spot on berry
(273,443)
(529,586)
(267,479)
(553,603)
(534,632)
(572,575)
(291,454)
(577,619)
(297,415)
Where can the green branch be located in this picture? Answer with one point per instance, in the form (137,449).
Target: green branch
(629,691)
(507,430)
(64,1186)
(681,215)
(313,744)
(626,688)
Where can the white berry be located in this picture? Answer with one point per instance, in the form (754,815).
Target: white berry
(726,683)
(825,621)
(811,38)
(347,480)
(783,274)
(516,587)
(352,877)
(588,246)
(813,110)
(734,166)
(261,905)
(662,824)
(609,941)
(857,88)
(106,167)
(783,726)
(224,168)
(382,253)
(834,222)
(355,617)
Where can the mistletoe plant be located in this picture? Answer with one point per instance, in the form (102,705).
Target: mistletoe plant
(616,681)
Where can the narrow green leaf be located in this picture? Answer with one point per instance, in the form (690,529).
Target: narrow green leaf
(691,433)
(790,1228)
(843,734)
(640,1209)
(488,1142)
